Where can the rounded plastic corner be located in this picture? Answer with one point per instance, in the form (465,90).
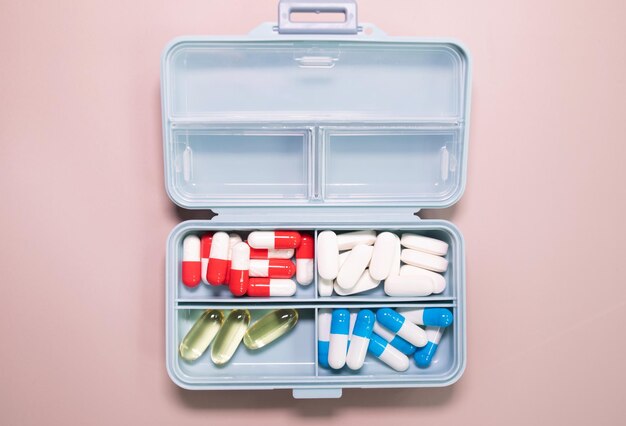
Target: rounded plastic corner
(453,229)
(461,47)
(176,379)
(454,197)
(171,47)
(456,375)
(172,370)
(174,234)
(175,196)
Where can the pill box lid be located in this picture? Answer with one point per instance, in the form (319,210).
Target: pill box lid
(327,120)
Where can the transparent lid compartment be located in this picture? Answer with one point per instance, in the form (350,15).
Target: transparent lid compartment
(314,123)
(378,164)
(340,80)
(240,165)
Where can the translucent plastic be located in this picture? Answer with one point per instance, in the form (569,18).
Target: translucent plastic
(241,165)
(322,123)
(274,130)
(401,164)
(358,79)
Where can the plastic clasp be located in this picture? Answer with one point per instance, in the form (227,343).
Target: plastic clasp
(348,8)
(317,393)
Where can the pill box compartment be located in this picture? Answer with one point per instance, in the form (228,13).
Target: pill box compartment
(441,230)
(447,364)
(288,359)
(311,164)
(241,164)
(291,361)
(218,293)
(452,275)
(362,163)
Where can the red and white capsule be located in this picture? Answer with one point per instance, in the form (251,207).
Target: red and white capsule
(240,269)
(218,259)
(272,268)
(271,287)
(304,260)
(257,253)
(205,252)
(192,267)
(233,239)
(274,239)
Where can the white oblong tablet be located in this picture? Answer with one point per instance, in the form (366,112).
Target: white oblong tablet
(423,260)
(439,281)
(395,265)
(324,287)
(354,266)
(327,255)
(365,283)
(383,255)
(407,285)
(422,243)
(349,240)
(342,258)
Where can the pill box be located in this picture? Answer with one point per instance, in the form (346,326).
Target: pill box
(313,126)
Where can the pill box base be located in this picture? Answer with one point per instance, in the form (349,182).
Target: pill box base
(314,157)
(291,363)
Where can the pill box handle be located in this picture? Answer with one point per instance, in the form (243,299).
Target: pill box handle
(317,393)
(346,7)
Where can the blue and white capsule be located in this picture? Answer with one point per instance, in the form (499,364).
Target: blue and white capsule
(434,317)
(396,341)
(353,314)
(424,356)
(402,327)
(360,339)
(387,353)
(339,331)
(324,318)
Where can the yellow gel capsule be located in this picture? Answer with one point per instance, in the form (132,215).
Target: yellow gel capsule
(229,336)
(201,335)
(270,327)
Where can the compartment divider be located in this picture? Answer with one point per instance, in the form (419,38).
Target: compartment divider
(302,304)
(317,367)
(315,274)
(320,141)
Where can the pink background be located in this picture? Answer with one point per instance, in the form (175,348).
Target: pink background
(86,216)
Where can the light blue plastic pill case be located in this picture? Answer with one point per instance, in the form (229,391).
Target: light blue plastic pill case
(313,132)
